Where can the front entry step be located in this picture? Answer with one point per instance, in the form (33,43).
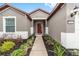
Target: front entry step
(38,47)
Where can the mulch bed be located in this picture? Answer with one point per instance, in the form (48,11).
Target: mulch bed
(29,50)
(48,48)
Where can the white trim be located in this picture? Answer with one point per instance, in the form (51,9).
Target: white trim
(39,18)
(46,30)
(4,29)
(31,30)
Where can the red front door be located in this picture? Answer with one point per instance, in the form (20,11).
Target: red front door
(39,28)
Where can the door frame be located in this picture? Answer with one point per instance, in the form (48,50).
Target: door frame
(36,32)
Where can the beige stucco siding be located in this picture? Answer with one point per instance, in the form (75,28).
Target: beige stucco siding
(22,22)
(39,14)
(57,24)
(69,8)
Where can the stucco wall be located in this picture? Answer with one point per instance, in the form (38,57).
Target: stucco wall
(22,22)
(57,24)
(69,8)
(71,40)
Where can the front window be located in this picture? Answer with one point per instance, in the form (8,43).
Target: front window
(9,24)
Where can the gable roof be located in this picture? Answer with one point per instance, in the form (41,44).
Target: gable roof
(39,10)
(8,5)
(57,7)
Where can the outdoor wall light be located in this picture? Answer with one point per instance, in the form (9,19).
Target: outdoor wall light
(75,10)
(72,14)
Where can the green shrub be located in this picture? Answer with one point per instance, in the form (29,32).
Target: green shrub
(28,44)
(47,37)
(58,49)
(30,41)
(0,50)
(7,45)
(18,52)
(49,42)
(24,46)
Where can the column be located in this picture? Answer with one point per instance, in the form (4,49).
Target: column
(32,28)
(46,27)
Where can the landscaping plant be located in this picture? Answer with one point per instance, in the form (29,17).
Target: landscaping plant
(6,46)
(30,41)
(0,50)
(54,47)
(25,45)
(58,49)
(17,47)
(18,52)
(23,49)
(49,42)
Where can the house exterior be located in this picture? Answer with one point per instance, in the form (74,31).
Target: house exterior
(62,23)
(15,22)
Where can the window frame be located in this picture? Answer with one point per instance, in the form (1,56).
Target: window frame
(4,23)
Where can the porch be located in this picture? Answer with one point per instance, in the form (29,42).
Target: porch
(39,22)
(39,27)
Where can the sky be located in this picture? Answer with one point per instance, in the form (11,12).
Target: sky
(29,7)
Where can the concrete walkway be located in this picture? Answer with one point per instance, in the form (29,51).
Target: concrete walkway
(38,48)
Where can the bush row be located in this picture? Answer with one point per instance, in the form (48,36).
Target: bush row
(17,47)
(56,47)
(23,49)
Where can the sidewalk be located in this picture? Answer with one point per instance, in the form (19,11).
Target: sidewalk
(38,48)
